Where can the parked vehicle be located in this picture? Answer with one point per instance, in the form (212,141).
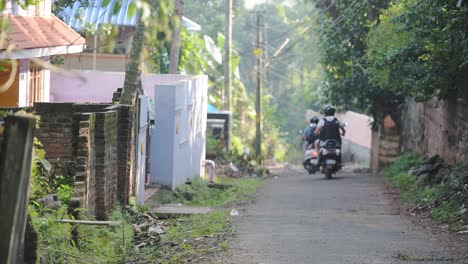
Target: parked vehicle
(310,162)
(330,157)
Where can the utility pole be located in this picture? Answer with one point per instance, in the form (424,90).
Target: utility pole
(228,58)
(258,104)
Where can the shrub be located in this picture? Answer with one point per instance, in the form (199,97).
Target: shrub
(402,164)
(65,193)
(446,212)
(70,243)
(404,181)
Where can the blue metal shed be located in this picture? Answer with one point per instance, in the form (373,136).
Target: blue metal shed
(80,15)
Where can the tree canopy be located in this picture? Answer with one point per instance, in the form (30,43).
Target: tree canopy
(377,53)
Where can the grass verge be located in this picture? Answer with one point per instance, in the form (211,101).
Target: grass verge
(194,239)
(72,243)
(446,197)
(198,238)
(200,193)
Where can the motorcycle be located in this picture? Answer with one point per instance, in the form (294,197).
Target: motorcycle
(330,158)
(310,162)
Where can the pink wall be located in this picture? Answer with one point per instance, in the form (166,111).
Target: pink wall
(358,129)
(96,86)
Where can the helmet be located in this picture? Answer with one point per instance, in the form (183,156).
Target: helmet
(314,120)
(329,110)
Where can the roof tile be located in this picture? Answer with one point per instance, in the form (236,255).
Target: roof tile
(29,32)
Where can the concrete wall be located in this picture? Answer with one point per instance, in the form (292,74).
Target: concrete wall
(357,141)
(104,62)
(358,129)
(178,139)
(436,127)
(98,86)
(93,86)
(85,61)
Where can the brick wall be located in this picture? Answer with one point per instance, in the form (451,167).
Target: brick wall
(95,140)
(123,152)
(55,130)
(85,181)
(105,142)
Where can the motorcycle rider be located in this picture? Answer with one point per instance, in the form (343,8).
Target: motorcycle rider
(309,132)
(329,127)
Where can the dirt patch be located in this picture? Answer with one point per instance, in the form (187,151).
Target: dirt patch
(456,244)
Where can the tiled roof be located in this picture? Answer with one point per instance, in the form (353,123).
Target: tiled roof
(30,32)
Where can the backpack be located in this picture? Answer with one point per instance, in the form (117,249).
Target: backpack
(311,137)
(330,130)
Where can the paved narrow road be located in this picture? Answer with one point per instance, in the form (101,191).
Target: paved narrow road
(301,218)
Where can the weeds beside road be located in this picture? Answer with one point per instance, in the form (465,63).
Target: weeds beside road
(198,238)
(434,187)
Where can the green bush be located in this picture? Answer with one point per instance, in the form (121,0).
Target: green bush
(430,194)
(199,193)
(402,164)
(448,211)
(447,197)
(65,193)
(192,237)
(404,181)
(71,243)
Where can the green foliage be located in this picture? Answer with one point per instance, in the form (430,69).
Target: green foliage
(447,212)
(199,57)
(65,193)
(199,236)
(343,42)
(208,13)
(418,50)
(214,146)
(194,237)
(69,243)
(431,194)
(58,6)
(291,79)
(404,181)
(198,226)
(386,40)
(446,197)
(198,192)
(45,180)
(402,164)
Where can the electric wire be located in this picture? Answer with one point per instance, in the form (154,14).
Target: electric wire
(345,14)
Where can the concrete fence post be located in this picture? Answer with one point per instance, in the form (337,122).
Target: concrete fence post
(15,174)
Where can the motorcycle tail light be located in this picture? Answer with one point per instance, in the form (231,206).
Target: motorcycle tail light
(315,154)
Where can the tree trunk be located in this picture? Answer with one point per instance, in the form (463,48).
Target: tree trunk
(133,72)
(132,84)
(332,10)
(175,46)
